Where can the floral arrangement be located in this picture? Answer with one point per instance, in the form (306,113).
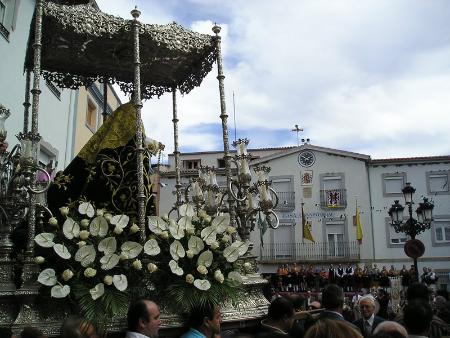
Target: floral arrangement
(96,258)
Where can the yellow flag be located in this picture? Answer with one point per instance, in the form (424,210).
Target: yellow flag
(306,228)
(359,230)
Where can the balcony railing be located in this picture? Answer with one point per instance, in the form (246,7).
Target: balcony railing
(326,251)
(333,198)
(286,200)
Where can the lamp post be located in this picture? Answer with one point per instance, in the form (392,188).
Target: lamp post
(411,226)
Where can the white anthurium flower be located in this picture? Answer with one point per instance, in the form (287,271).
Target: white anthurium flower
(231,253)
(107,245)
(97,291)
(151,247)
(109,261)
(131,249)
(221,223)
(156,224)
(202,284)
(45,239)
(175,268)
(241,246)
(120,221)
(120,282)
(86,208)
(205,258)
(99,226)
(236,276)
(176,228)
(62,251)
(209,234)
(85,255)
(186,209)
(60,291)
(71,228)
(177,250)
(196,244)
(47,277)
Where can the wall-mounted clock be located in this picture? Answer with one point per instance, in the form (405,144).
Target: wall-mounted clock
(306,158)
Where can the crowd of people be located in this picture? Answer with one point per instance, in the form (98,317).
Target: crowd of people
(301,278)
(425,314)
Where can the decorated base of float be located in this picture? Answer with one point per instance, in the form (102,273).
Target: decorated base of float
(91,240)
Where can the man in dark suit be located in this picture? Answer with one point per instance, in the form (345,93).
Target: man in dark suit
(369,320)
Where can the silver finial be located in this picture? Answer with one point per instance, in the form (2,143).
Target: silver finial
(135,13)
(216,29)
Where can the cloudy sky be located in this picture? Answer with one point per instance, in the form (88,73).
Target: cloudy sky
(368,76)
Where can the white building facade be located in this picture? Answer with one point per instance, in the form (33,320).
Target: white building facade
(331,183)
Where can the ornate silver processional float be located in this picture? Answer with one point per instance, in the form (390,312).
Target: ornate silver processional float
(74,46)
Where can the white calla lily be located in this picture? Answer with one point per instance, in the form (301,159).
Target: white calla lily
(186,210)
(177,250)
(107,245)
(86,208)
(177,270)
(209,235)
(62,251)
(99,226)
(85,255)
(97,291)
(45,239)
(47,277)
(120,282)
(151,247)
(205,258)
(156,224)
(131,249)
(202,284)
(221,223)
(60,291)
(70,228)
(177,228)
(109,261)
(120,221)
(196,244)
(231,253)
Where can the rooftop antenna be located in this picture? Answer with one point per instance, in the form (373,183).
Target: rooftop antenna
(234,116)
(297,129)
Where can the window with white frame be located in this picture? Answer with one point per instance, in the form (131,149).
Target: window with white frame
(437,182)
(191,164)
(393,238)
(332,192)
(393,184)
(441,230)
(91,115)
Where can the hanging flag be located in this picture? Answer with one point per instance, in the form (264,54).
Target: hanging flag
(306,228)
(262,227)
(359,231)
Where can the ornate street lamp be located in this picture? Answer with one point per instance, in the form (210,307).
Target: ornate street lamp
(412,227)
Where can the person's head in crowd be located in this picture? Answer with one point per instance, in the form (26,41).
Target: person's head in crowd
(327,328)
(418,291)
(443,293)
(417,315)
(390,334)
(367,305)
(333,298)
(143,317)
(298,301)
(32,332)
(206,319)
(393,329)
(280,314)
(314,306)
(444,312)
(76,327)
